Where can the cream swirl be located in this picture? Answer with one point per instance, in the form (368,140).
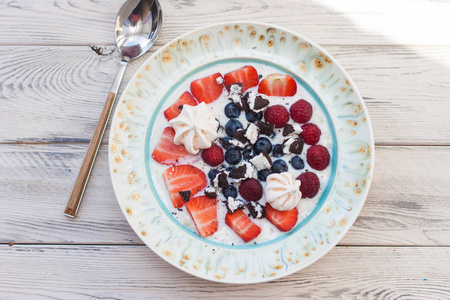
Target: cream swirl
(195,127)
(282,191)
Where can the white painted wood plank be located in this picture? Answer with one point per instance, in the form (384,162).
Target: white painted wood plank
(60,91)
(38,22)
(408,204)
(135,272)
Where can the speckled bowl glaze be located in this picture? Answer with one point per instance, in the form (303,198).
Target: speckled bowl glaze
(353,156)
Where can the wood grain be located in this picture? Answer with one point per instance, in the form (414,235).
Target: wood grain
(408,204)
(135,272)
(60,91)
(351,22)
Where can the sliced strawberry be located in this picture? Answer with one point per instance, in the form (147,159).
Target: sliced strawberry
(246,75)
(203,211)
(207,89)
(283,220)
(183,178)
(278,85)
(175,109)
(242,225)
(167,153)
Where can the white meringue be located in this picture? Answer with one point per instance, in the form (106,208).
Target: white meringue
(195,127)
(282,191)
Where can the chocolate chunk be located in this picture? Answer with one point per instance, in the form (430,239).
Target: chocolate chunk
(211,192)
(265,128)
(185,194)
(288,129)
(297,146)
(235,204)
(260,103)
(240,136)
(256,210)
(244,103)
(222,179)
(267,156)
(238,172)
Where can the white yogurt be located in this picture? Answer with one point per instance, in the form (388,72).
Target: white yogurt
(225,234)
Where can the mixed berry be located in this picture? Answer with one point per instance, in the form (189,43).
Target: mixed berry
(274,139)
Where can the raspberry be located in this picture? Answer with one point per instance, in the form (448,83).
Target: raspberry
(301,111)
(310,184)
(318,157)
(213,156)
(277,115)
(251,189)
(310,133)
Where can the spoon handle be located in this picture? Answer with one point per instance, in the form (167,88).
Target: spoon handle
(80,184)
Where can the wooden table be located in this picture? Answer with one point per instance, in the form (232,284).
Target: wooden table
(57,61)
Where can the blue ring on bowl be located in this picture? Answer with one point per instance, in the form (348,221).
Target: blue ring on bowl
(320,202)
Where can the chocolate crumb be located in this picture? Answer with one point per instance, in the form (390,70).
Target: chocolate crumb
(211,194)
(222,179)
(267,156)
(185,194)
(244,103)
(265,128)
(260,103)
(288,129)
(240,136)
(256,210)
(297,146)
(180,107)
(238,172)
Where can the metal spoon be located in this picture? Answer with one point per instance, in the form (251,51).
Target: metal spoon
(138,25)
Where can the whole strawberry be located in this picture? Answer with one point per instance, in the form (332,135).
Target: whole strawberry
(213,156)
(277,115)
(301,111)
(318,157)
(310,133)
(309,185)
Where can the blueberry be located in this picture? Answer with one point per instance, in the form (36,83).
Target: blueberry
(229,191)
(253,116)
(262,144)
(233,156)
(226,142)
(232,111)
(232,126)
(278,150)
(262,175)
(297,163)
(212,173)
(279,166)
(229,169)
(247,154)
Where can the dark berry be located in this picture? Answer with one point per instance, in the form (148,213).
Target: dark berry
(301,111)
(279,166)
(233,156)
(309,184)
(278,150)
(247,154)
(276,115)
(262,175)
(232,111)
(253,116)
(226,142)
(297,163)
(213,156)
(251,189)
(232,126)
(212,173)
(262,144)
(229,191)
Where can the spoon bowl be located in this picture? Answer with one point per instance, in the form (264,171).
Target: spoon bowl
(138,25)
